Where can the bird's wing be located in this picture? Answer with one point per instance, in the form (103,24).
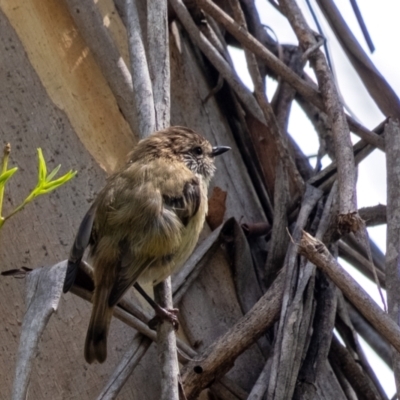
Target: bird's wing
(126,275)
(82,240)
(185,202)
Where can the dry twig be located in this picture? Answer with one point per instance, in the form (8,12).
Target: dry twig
(392,135)
(348,219)
(318,254)
(217,60)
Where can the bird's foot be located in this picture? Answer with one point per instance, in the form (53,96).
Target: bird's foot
(163,314)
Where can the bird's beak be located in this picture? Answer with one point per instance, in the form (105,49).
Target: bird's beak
(217,150)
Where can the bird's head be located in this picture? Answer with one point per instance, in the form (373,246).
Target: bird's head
(184,145)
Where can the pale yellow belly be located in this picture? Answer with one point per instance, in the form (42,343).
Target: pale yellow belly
(190,235)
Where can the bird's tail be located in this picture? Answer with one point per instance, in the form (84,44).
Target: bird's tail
(96,337)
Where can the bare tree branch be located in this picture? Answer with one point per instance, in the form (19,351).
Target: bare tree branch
(137,349)
(277,133)
(348,219)
(158,60)
(318,254)
(259,50)
(90,24)
(43,292)
(358,380)
(375,215)
(371,336)
(360,262)
(392,136)
(142,87)
(383,95)
(166,345)
(217,60)
(297,311)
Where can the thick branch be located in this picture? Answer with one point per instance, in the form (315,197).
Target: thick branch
(325,178)
(137,349)
(142,89)
(158,59)
(369,136)
(296,316)
(342,358)
(358,260)
(89,21)
(159,70)
(392,136)
(348,217)
(317,253)
(318,349)
(370,335)
(375,215)
(166,345)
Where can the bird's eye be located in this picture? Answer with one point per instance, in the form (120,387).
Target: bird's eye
(198,150)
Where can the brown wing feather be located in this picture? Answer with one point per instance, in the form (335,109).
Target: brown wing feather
(81,242)
(187,204)
(126,275)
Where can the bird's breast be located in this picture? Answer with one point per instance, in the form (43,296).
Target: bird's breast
(170,263)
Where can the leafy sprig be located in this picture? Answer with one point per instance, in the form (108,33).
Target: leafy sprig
(45,183)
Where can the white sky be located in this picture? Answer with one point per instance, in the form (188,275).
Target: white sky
(382,20)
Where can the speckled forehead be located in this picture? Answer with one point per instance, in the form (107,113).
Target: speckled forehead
(184,141)
(170,142)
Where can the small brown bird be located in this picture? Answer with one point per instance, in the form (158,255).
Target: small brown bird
(145,223)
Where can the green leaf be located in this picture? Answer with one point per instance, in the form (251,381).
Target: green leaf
(5,176)
(49,186)
(42,166)
(43,186)
(53,173)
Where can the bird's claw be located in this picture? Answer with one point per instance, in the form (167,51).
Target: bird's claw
(163,314)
